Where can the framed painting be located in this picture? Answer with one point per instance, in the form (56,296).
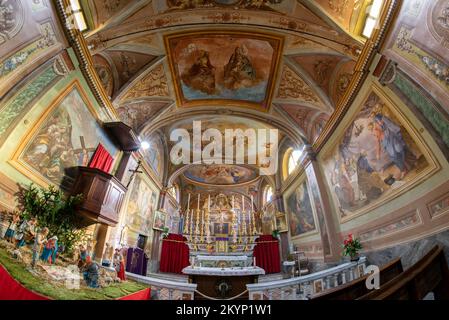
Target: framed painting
(281,222)
(318,286)
(65,136)
(141,206)
(160,218)
(377,157)
(300,213)
(221,229)
(218,67)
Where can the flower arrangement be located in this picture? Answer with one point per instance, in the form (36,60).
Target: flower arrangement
(351,247)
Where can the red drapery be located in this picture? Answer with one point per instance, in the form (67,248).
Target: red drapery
(175,254)
(101,159)
(10,289)
(267,254)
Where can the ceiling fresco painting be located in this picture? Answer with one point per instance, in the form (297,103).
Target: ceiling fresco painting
(220,174)
(224,67)
(234,4)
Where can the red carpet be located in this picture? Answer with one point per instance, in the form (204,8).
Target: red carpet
(10,289)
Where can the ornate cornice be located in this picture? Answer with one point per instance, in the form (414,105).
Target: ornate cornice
(361,72)
(78,43)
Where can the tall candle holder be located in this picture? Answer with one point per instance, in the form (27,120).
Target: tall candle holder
(186,223)
(253,224)
(202,227)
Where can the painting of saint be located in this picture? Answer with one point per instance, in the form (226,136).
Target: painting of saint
(154,154)
(375,156)
(221,228)
(235,67)
(201,75)
(160,218)
(299,210)
(66,138)
(141,207)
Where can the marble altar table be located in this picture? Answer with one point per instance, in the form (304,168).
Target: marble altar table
(222,283)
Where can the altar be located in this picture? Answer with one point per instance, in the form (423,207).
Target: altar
(221,234)
(222,283)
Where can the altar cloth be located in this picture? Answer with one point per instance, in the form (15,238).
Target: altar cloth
(230,272)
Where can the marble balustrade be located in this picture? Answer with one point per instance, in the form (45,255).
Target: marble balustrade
(301,288)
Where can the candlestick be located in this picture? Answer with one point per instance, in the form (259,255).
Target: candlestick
(188,202)
(186,223)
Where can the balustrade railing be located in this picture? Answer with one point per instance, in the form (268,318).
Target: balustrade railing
(304,287)
(163,289)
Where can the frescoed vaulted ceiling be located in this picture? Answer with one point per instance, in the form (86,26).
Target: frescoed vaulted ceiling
(159,61)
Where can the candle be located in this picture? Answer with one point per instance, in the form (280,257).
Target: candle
(208,205)
(254,261)
(232,202)
(198,206)
(243,202)
(188,203)
(252,204)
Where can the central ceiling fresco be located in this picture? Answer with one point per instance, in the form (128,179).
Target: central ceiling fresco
(282,63)
(224,68)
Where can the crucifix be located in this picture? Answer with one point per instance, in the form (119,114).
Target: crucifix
(136,170)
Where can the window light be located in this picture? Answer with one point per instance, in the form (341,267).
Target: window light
(372,18)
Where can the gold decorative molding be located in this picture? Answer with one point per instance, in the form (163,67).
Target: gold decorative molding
(79,45)
(367,56)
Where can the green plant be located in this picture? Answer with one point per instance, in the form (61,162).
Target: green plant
(165,232)
(276,233)
(53,210)
(351,246)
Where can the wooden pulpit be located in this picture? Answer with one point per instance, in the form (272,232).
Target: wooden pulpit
(103,196)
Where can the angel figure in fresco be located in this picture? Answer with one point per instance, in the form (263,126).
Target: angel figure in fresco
(201,75)
(391,141)
(239,72)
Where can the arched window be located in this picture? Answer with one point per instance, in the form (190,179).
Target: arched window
(267,194)
(291,161)
(173,191)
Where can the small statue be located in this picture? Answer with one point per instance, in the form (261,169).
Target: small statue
(26,233)
(39,240)
(90,273)
(13,226)
(82,256)
(119,264)
(50,250)
(107,255)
